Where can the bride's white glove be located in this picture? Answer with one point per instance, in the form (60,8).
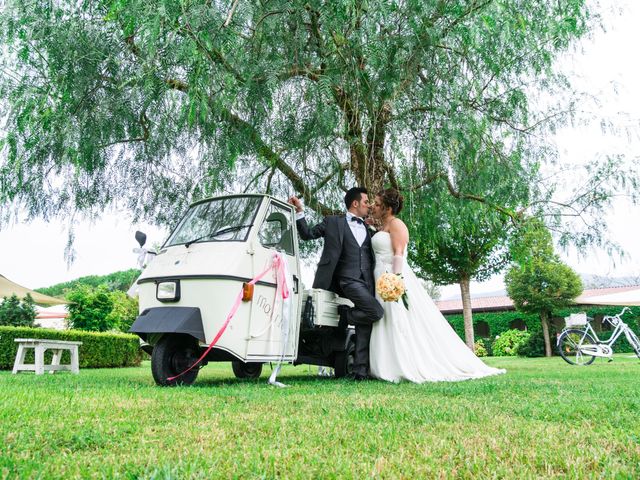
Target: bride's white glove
(396,264)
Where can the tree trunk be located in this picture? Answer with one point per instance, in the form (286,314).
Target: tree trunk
(466,313)
(545,331)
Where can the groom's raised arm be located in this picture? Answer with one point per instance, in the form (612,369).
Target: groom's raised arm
(304,231)
(307,233)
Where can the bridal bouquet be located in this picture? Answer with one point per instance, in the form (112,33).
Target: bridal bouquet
(390,287)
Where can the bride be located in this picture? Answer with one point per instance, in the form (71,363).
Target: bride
(415,344)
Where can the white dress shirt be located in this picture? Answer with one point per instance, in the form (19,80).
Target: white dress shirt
(357,228)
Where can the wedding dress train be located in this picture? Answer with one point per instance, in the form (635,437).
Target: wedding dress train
(417,344)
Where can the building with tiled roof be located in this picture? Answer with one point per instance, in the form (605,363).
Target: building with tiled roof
(504,303)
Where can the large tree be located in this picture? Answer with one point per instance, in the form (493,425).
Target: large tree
(457,240)
(151,104)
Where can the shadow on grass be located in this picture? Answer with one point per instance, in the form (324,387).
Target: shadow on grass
(289,380)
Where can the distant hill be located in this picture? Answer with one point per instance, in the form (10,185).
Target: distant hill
(114,281)
(601,281)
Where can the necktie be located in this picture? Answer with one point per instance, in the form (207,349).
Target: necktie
(357,219)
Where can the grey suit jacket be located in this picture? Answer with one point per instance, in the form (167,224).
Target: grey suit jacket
(332,229)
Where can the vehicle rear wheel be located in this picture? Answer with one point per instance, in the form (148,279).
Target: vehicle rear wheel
(569,347)
(343,364)
(246,370)
(172,355)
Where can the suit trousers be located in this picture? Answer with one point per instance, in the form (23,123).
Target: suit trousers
(366,311)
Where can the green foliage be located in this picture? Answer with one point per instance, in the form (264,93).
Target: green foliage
(155,105)
(90,309)
(114,281)
(480,348)
(533,240)
(542,286)
(124,311)
(98,309)
(459,238)
(16,313)
(533,346)
(508,343)
(498,322)
(540,282)
(98,350)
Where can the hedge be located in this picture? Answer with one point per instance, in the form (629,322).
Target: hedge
(98,350)
(499,322)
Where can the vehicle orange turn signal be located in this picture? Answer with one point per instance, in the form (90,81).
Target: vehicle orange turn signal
(247,292)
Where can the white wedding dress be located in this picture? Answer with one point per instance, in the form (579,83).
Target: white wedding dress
(417,344)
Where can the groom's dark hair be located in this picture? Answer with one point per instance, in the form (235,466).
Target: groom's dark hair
(354,194)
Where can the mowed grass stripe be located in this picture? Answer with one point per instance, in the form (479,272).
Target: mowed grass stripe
(543,418)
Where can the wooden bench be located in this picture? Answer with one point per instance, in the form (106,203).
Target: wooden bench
(40,345)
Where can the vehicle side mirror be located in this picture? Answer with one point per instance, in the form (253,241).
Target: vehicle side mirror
(141,238)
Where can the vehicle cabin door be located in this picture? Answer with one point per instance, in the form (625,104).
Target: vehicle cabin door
(276,233)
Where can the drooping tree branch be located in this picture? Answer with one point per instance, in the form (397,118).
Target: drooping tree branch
(230,15)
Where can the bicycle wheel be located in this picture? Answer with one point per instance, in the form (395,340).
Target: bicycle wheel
(569,345)
(634,341)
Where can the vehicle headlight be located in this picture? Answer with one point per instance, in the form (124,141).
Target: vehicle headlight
(168,291)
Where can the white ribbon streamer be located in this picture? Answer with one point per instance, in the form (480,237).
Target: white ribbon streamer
(142,256)
(287,304)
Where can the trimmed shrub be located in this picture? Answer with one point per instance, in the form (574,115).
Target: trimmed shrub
(508,343)
(90,309)
(100,310)
(534,345)
(481,350)
(16,313)
(487,344)
(98,350)
(124,311)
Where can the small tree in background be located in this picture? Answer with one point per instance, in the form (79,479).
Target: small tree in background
(539,282)
(124,311)
(100,309)
(90,309)
(15,313)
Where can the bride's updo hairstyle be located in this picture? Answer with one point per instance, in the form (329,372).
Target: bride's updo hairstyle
(391,198)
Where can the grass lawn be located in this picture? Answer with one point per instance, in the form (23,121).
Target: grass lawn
(543,419)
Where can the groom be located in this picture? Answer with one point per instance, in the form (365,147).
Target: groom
(346,268)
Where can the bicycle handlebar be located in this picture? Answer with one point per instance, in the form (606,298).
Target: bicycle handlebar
(625,309)
(609,318)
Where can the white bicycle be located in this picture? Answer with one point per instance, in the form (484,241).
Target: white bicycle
(578,344)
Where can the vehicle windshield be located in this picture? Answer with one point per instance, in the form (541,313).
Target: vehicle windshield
(223,219)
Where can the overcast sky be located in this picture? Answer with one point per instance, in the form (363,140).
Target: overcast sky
(33,254)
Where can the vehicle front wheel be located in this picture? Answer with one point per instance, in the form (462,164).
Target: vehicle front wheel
(172,355)
(246,370)
(570,344)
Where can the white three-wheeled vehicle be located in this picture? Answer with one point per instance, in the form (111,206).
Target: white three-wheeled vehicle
(200,292)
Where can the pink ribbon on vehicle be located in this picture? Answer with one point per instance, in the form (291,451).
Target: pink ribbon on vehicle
(281,286)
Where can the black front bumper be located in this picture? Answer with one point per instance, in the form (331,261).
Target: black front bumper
(169,320)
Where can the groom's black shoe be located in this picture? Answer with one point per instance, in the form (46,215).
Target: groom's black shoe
(343,312)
